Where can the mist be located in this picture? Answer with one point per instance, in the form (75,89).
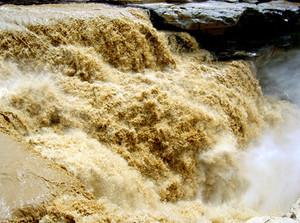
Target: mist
(280,76)
(271,164)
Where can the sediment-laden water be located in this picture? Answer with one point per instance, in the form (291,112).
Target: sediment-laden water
(143,124)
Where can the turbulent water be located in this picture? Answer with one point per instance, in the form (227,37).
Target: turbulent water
(144,123)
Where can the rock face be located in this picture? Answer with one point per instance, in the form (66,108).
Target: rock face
(216,17)
(234,27)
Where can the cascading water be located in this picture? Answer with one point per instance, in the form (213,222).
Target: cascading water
(155,131)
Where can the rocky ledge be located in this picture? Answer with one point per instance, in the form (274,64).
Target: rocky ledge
(233,29)
(216,17)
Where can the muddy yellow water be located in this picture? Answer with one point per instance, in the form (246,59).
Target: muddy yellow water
(145,120)
(27,179)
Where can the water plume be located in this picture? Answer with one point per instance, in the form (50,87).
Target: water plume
(271,168)
(271,163)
